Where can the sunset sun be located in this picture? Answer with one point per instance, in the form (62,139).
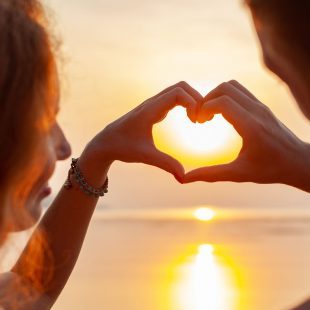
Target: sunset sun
(204,214)
(199,138)
(196,144)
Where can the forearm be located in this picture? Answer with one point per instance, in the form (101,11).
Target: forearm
(60,233)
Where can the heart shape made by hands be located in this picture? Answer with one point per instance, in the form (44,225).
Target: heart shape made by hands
(196,145)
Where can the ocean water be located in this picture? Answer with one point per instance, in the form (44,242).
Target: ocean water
(162,260)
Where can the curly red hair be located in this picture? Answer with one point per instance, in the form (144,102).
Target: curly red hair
(25,62)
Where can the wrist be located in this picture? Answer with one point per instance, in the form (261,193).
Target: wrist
(300,172)
(94,166)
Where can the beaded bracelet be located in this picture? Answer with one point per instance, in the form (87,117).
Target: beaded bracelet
(84,186)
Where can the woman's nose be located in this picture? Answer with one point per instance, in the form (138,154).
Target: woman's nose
(63,148)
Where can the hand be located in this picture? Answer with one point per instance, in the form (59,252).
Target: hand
(129,138)
(271,153)
(304,306)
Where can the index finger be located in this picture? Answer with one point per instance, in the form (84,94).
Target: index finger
(236,93)
(158,107)
(234,172)
(190,90)
(234,113)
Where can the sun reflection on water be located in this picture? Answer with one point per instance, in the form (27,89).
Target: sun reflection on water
(204,283)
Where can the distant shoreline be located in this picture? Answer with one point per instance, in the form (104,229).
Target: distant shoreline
(186,214)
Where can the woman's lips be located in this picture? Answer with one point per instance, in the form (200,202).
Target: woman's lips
(46,191)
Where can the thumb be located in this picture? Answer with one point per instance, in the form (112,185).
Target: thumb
(165,162)
(234,172)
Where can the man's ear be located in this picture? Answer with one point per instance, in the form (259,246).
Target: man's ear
(256,20)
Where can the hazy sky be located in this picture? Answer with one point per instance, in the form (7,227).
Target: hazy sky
(118,53)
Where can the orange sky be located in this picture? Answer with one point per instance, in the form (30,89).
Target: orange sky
(117,53)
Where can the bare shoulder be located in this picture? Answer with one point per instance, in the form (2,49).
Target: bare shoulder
(17,294)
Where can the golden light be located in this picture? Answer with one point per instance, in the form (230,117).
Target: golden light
(195,144)
(204,214)
(199,138)
(205,283)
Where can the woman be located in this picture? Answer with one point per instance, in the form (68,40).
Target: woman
(271,153)
(32,141)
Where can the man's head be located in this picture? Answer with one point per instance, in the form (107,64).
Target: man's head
(283,30)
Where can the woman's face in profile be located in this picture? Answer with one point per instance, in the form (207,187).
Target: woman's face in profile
(51,146)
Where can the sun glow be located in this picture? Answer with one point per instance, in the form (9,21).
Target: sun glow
(196,144)
(204,214)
